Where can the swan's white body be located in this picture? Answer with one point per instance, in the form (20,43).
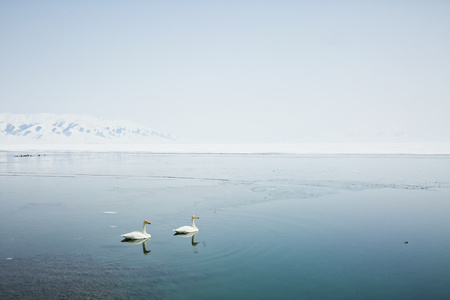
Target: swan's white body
(188,229)
(137,235)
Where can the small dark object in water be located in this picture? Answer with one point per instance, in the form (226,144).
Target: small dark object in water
(27,155)
(405,242)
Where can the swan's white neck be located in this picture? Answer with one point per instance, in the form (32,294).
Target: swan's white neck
(143,228)
(193,223)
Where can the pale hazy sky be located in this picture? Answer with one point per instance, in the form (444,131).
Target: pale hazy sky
(234,71)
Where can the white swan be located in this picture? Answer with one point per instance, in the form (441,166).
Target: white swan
(136,235)
(188,229)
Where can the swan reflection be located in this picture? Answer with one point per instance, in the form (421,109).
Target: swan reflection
(186,235)
(137,242)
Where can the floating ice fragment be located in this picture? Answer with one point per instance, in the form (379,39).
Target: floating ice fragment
(110,212)
(113,226)
(8,258)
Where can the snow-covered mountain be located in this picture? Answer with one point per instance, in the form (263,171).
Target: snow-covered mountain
(74,129)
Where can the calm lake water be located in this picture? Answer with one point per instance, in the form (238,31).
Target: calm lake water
(270,226)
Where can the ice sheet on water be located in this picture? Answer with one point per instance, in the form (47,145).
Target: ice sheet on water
(292,148)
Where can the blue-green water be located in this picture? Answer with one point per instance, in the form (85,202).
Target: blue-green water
(271,226)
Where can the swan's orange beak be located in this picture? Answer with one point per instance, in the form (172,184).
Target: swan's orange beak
(196,217)
(147,222)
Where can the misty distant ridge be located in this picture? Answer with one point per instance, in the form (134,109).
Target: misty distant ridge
(71,132)
(74,129)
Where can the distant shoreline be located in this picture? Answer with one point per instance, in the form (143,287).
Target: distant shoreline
(298,148)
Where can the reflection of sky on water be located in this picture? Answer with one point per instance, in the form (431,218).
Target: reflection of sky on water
(272,225)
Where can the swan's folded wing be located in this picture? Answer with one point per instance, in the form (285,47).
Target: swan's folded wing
(185,229)
(135,235)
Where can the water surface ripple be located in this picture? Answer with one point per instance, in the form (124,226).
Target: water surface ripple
(270,226)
